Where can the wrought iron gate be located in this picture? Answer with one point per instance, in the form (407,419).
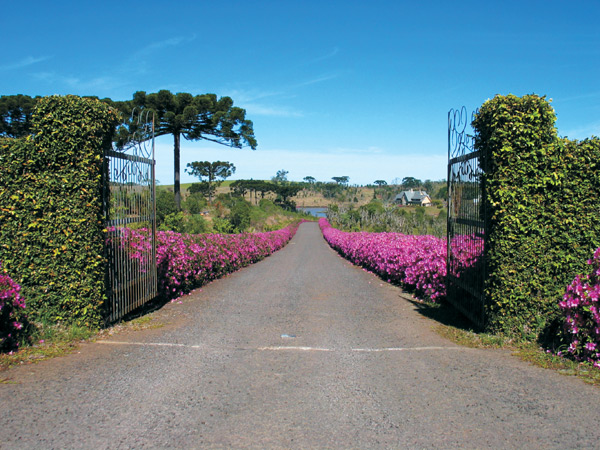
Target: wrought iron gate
(130,214)
(466,220)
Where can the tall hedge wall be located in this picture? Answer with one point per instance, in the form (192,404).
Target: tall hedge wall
(51,227)
(543,200)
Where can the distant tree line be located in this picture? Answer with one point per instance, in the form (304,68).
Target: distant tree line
(282,190)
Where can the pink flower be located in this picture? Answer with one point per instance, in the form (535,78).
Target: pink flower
(417,261)
(590,346)
(10,304)
(582,317)
(189,261)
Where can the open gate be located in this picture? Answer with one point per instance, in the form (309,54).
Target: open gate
(130,204)
(466,220)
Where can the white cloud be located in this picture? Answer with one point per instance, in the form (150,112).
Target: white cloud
(255,109)
(251,95)
(160,45)
(316,80)
(81,85)
(584,96)
(142,61)
(25,62)
(582,132)
(324,57)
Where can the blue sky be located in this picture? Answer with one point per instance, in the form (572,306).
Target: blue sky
(356,88)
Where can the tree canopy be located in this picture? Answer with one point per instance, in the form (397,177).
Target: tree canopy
(281,176)
(214,172)
(15,115)
(411,182)
(240,187)
(193,117)
(341,180)
(284,192)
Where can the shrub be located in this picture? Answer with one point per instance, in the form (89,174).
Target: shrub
(11,312)
(417,262)
(188,261)
(221,225)
(173,222)
(194,203)
(581,308)
(196,224)
(239,216)
(165,205)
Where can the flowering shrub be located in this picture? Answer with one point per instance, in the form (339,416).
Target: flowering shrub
(414,261)
(581,308)
(467,251)
(11,304)
(187,261)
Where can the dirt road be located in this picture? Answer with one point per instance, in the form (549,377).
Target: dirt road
(301,350)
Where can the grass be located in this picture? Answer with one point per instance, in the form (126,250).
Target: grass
(51,341)
(456,328)
(48,342)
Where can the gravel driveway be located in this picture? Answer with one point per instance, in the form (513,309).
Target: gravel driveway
(301,350)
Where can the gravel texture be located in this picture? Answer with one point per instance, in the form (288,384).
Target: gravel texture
(301,350)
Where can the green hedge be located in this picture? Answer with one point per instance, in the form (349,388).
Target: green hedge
(51,213)
(543,210)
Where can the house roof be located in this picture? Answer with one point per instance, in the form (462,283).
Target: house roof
(412,196)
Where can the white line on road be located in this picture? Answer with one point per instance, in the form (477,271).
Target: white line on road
(364,350)
(404,349)
(150,344)
(303,349)
(288,348)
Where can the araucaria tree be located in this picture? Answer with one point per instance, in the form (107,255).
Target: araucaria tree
(378,183)
(341,180)
(411,182)
(193,117)
(281,176)
(214,172)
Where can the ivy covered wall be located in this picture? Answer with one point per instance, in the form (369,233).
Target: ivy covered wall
(51,212)
(543,209)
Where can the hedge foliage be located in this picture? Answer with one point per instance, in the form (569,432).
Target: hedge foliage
(51,213)
(543,210)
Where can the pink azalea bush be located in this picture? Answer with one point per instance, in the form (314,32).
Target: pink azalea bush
(187,261)
(467,251)
(581,308)
(11,309)
(414,261)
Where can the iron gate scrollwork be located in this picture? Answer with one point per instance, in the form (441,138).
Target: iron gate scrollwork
(466,220)
(130,208)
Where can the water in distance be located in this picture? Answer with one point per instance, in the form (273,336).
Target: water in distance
(317,212)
